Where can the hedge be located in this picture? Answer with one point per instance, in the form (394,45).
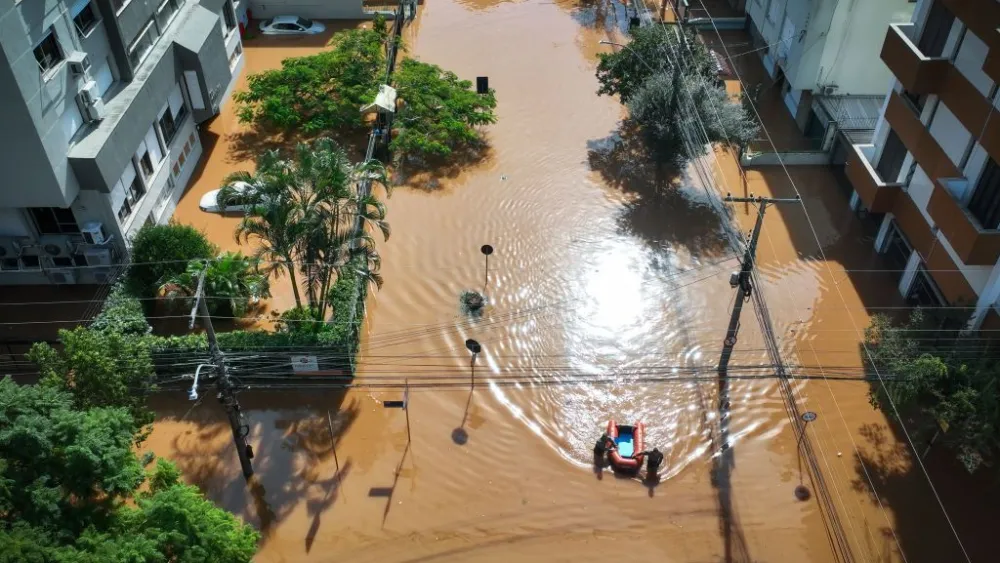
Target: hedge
(121,313)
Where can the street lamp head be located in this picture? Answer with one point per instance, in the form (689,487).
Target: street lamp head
(486,249)
(473,346)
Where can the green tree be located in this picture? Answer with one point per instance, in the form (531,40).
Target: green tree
(70,491)
(232,282)
(937,386)
(162,251)
(677,110)
(99,369)
(309,211)
(121,313)
(321,92)
(651,51)
(440,113)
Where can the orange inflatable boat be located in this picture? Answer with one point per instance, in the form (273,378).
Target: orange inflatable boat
(629,451)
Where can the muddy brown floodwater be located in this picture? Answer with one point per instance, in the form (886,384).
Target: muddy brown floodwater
(608,298)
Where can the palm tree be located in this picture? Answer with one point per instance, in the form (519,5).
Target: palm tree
(316,210)
(231,280)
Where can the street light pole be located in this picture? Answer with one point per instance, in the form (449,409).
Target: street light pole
(741,279)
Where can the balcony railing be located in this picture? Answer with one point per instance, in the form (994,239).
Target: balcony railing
(878,195)
(975,245)
(917,73)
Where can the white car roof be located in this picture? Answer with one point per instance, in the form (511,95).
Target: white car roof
(285,19)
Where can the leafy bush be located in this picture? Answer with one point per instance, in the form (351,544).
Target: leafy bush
(439,113)
(121,313)
(162,251)
(940,385)
(320,92)
(231,280)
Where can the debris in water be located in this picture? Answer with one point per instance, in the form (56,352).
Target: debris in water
(503,177)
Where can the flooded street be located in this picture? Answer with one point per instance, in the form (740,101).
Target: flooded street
(608,297)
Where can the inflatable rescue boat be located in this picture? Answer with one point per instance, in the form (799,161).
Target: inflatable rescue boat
(628,452)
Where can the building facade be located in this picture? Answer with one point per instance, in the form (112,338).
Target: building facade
(932,168)
(823,47)
(101,105)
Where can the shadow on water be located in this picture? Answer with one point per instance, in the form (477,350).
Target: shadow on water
(659,208)
(428,174)
(901,486)
(281,481)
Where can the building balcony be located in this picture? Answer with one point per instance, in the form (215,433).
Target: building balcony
(975,245)
(992,65)
(918,73)
(902,117)
(878,195)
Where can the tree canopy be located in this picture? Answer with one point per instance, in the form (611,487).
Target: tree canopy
(936,386)
(668,80)
(231,279)
(70,490)
(99,369)
(440,112)
(305,212)
(322,92)
(650,51)
(161,251)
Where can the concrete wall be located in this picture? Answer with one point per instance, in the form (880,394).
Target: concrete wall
(134,17)
(850,57)
(319,9)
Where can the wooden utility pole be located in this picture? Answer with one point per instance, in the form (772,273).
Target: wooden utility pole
(226,395)
(741,280)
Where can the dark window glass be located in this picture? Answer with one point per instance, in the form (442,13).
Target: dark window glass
(30,262)
(165,13)
(86,19)
(891,161)
(917,100)
(54,220)
(936,30)
(228,16)
(47,53)
(168,126)
(306,24)
(985,202)
(118,4)
(62,262)
(79,260)
(146,164)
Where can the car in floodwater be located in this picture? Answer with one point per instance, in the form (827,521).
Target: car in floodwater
(291,25)
(238,203)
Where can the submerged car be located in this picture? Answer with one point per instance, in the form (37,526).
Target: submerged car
(290,25)
(210,202)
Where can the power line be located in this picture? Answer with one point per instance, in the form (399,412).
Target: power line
(868,353)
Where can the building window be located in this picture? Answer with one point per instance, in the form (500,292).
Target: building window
(936,30)
(47,53)
(172,114)
(985,202)
(85,17)
(891,161)
(143,44)
(229,17)
(149,155)
(166,12)
(127,193)
(54,220)
(235,57)
(119,5)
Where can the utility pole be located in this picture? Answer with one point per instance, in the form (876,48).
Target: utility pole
(741,280)
(226,395)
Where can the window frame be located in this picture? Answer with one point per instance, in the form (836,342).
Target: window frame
(176,4)
(134,193)
(85,32)
(176,121)
(229,17)
(990,173)
(142,34)
(49,71)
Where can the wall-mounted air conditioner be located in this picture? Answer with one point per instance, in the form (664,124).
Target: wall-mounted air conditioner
(828,90)
(93,232)
(55,246)
(94,112)
(89,93)
(62,277)
(79,63)
(98,256)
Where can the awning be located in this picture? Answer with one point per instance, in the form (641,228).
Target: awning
(385,101)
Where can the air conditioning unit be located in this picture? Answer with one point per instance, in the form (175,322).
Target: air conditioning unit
(89,93)
(93,232)
(55,246)
(79,63)
(94,112)
(829,90)
(98,256)
(10,248)
(102,275)
(62,277)
(10,265)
